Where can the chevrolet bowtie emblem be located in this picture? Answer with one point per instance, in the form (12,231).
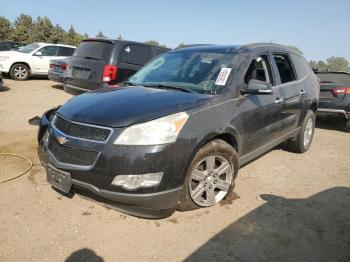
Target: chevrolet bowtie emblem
(62,140)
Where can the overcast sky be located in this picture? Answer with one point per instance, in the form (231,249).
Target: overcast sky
(319,28)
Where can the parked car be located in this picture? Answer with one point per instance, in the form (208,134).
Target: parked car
(9,45)
(102,62)
(176,133)
(1,81)
(58,69)
(335,96)
(33,59)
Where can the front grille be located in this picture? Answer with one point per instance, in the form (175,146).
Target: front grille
(81,130)
(71,155)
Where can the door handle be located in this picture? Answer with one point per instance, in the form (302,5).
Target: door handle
(279,100)
(302,92)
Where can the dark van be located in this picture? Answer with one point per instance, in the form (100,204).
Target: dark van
(103,62)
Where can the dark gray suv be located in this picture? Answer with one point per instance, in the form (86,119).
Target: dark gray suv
(175,134)
(100,63)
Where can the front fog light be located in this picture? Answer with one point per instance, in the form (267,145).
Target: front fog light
(132,182)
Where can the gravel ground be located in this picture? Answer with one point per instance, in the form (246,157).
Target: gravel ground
(289,207)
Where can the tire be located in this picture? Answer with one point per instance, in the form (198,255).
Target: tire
(19,72)
(304,139)
(347,125)
(208,184)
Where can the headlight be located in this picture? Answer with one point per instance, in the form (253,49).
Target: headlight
(160,131)
(3,58)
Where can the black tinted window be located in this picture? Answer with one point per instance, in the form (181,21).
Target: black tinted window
(334,78)
(285,68)
(65,51)
(4,46)
(301,66)
(259,69)
(48,51)
(135,54)
(94,50)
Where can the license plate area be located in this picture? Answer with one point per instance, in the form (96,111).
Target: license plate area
(80,73)
(59,179)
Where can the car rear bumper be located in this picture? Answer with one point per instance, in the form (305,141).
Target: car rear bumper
(56,76)
(333,112)
(74,89)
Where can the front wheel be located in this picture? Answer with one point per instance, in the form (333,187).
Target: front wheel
(210,177)
(19,72)
(304,139)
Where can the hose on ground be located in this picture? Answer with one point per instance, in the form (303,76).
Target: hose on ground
(22,173)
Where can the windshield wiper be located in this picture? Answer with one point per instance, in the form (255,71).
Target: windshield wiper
(167,86)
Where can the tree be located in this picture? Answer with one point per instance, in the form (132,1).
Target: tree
(321,66)
(337,64)
(6,28)
(154,43)
(313,64)
(43,29)
(181,45)
(72,37)
(297,49)
(100,35)
(24,28)
(57,34)
(120,37)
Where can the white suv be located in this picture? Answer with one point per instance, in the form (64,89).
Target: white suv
(33,59)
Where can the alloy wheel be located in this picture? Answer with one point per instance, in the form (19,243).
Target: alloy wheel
(210,180)
(308,132)
(20,72)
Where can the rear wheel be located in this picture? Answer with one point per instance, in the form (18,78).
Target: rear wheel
(304,139)
(210,177)
(347,125)
(19,72)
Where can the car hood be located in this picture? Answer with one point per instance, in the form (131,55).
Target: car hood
(13,54)
(124,106)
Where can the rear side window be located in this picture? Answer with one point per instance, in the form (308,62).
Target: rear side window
(301,66)
(48,51)
(135,54)
(94,50)
(285,68)
(65,51)
(334,78)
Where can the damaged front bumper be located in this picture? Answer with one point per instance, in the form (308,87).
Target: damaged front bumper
(95,181)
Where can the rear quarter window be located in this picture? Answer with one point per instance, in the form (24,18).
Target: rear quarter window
(65,51)
(95,50)
(301,66)
(135,54)
(334,78)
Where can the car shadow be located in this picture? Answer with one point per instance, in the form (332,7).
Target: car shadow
(4,88)
(331,124)
(58,86)
(316,228)
(83,255)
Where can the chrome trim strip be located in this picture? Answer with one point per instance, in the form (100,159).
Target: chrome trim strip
(83,124)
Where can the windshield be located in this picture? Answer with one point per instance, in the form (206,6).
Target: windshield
(198,71)
(28,48)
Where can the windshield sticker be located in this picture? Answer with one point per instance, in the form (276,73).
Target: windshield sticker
(223,76)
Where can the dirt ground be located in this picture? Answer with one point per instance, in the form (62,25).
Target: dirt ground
(289,207)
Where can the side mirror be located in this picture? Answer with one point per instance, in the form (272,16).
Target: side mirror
(257,87)
(38,53)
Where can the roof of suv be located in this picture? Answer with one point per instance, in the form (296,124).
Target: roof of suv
(44,44)
(246,48)
(114,41)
